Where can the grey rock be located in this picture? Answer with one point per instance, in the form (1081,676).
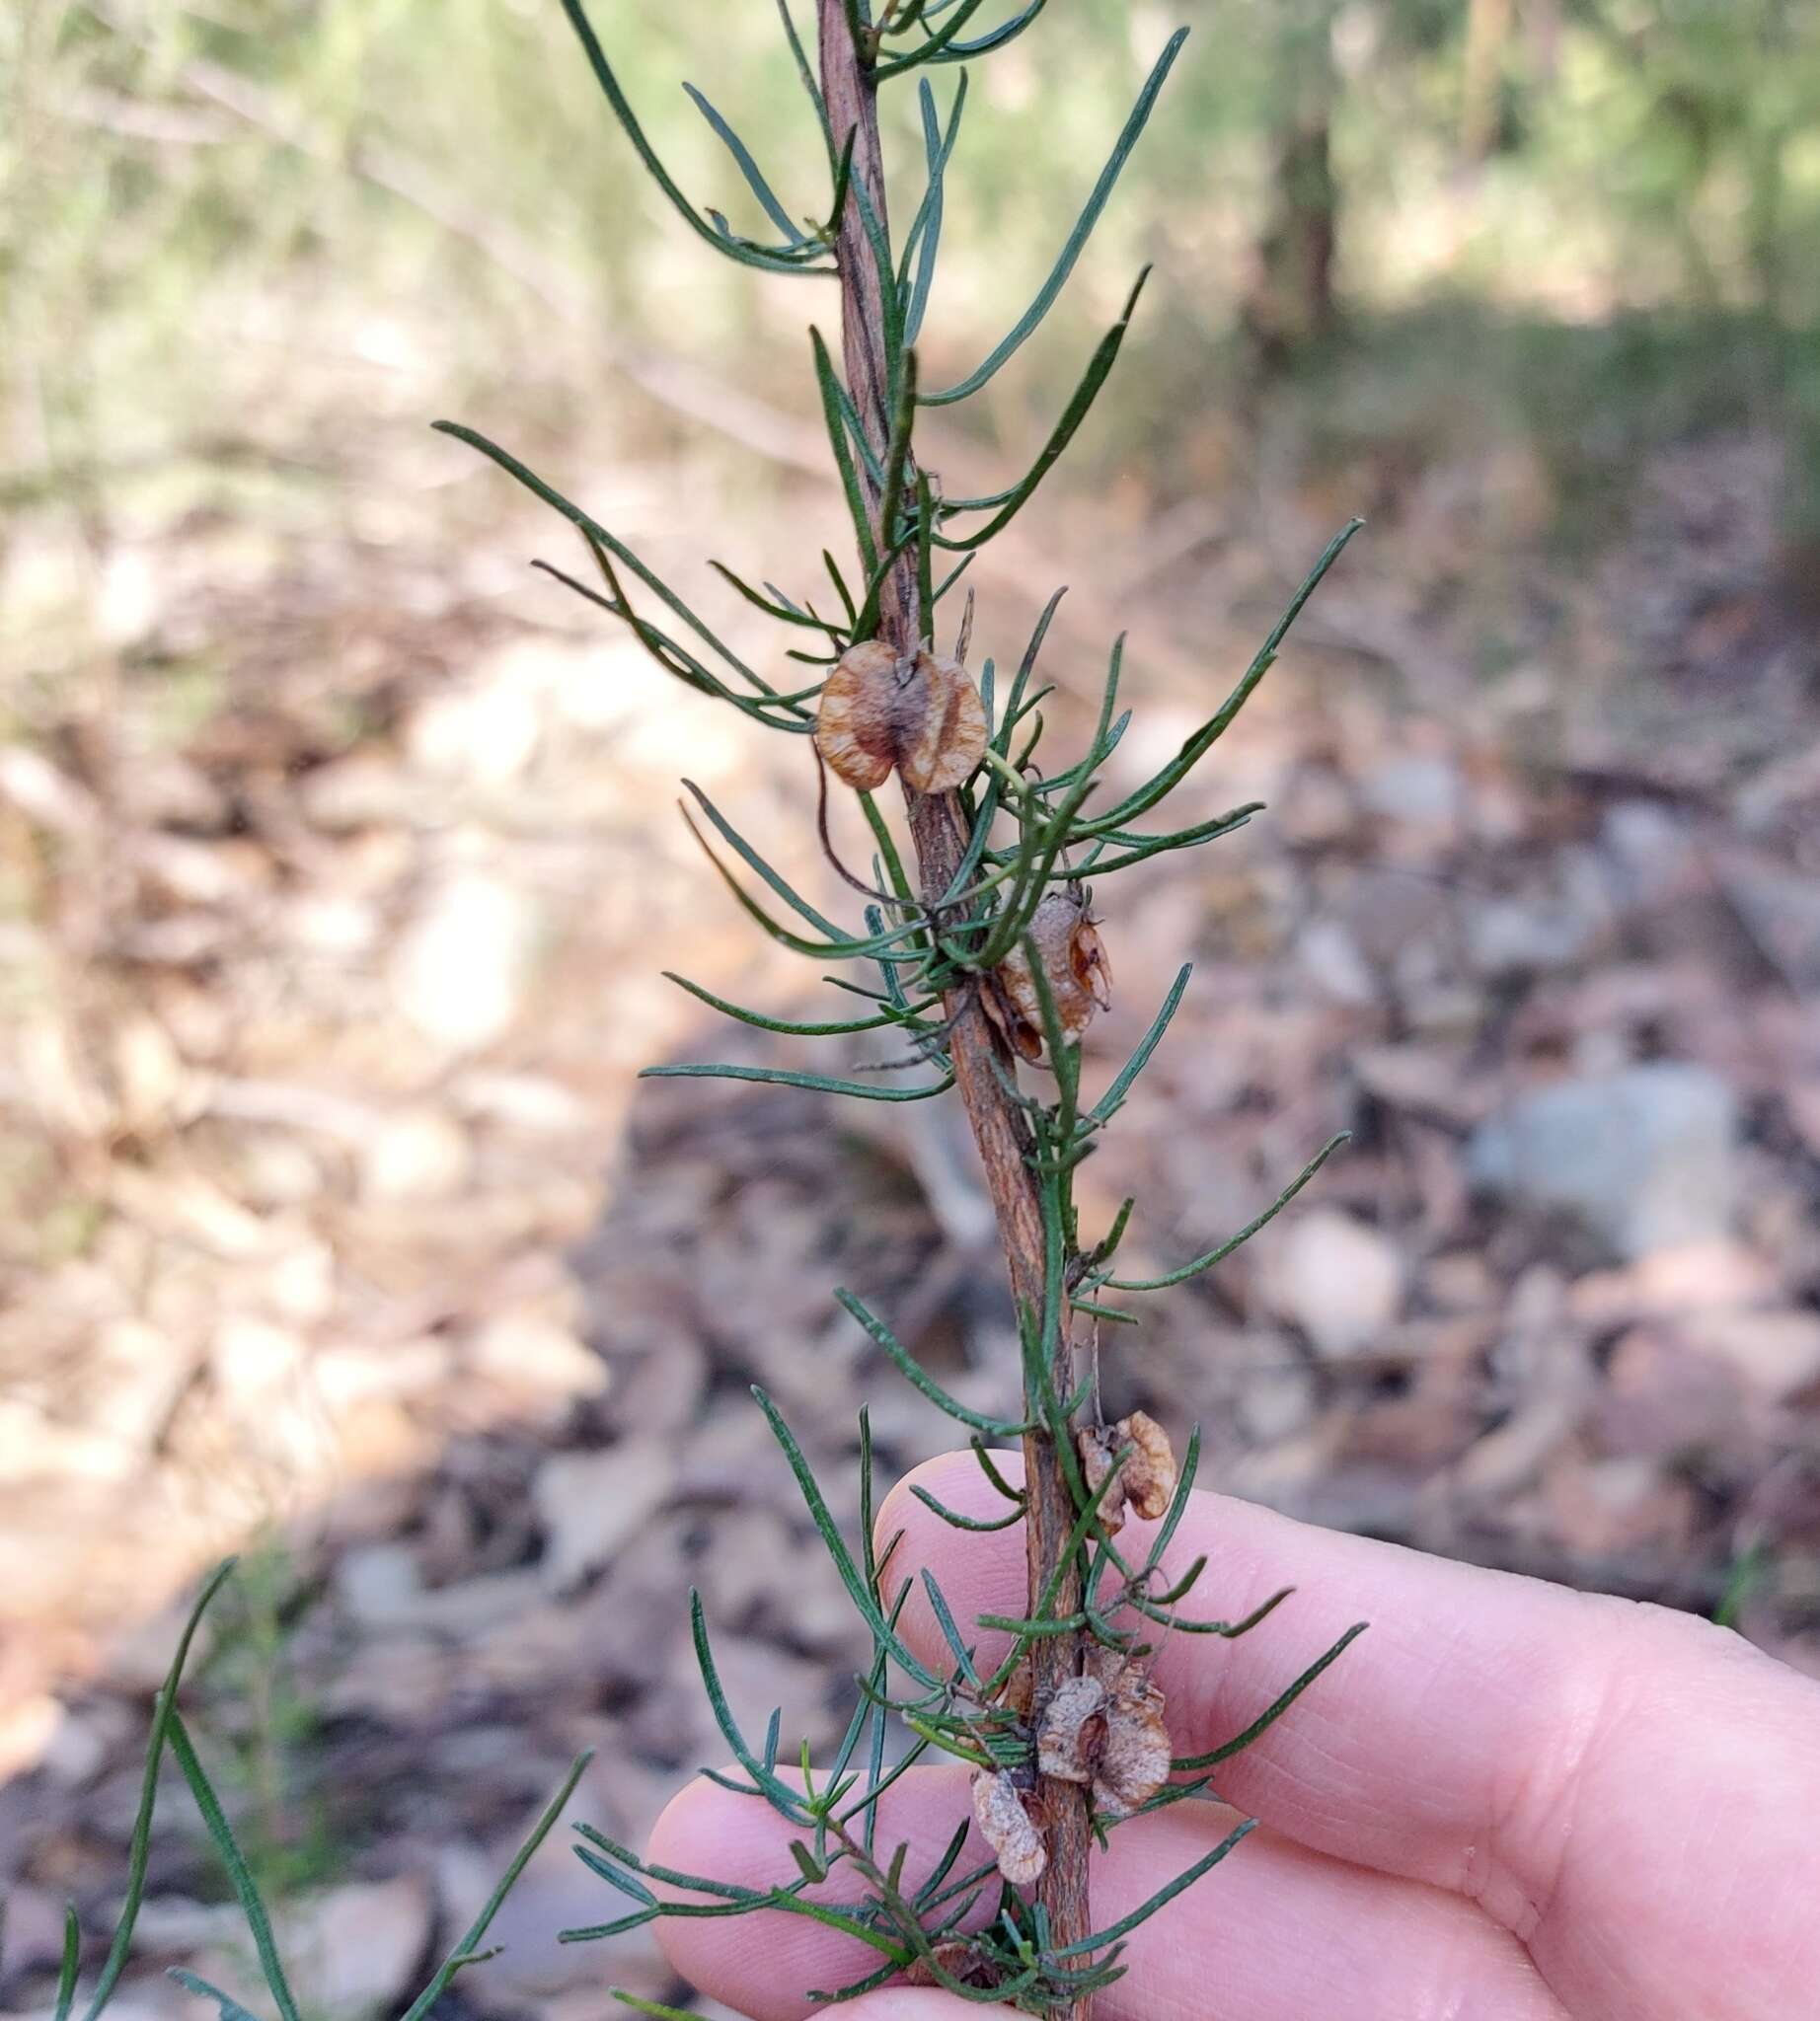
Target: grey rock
(1643,1157)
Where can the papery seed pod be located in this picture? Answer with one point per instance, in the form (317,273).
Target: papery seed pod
(949,737)
(1150,1473)
(1098,1447)
(1074,962)
(1073,1730)
(920,713)
(1134,1760)
(1008,1827)
(957,1957)
(855,727)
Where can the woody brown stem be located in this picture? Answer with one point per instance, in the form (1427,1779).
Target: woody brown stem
(938,829)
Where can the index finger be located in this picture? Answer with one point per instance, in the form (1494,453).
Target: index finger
(1560,1758)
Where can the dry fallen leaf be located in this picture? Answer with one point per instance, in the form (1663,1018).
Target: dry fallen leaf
(1009,1828)
(921,714)
(1075,964)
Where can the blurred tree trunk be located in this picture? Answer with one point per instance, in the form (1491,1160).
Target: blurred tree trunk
(1289,304)
(1481,91)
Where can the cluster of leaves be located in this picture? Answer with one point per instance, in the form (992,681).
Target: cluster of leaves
(971,1930)
(968,1928)
(169,1732)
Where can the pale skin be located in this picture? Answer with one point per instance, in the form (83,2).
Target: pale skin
(1505,1802)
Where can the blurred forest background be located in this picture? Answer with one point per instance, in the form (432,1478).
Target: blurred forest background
(338,866)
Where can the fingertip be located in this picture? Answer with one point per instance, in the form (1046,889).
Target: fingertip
(911,2003)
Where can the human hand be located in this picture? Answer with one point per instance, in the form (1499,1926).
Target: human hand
(1507,1801)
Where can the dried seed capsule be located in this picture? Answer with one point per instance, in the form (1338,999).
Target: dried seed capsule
(950,734)
(1008,1827)
(1106,1728)
(1150,1473)
(919,713)
(1134,1762)
(1074,962)
(1098,1445)
(1073,1731)
(855,728)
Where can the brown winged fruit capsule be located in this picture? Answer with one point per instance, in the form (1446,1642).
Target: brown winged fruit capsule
(1150,1473)
(921,714)
(1134,1763)
(1073,1730)
(1097,1445)
(1106,1728)
(1008,1827)
(1074,961)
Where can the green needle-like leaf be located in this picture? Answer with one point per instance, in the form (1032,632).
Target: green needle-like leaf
(1162,1898)
(820,1083)
(1077,239)
(1110,1102)
(1215,727)
(230,2008)
(1105,356)
(470,1942)
(67,1971)
(748,167)
(140,1847)
(919,1377)
(829,1531)
(933,48)
(923,240)
(1189,1764)
(1244,1234)
(240,1875)
(614,546)
(747,255)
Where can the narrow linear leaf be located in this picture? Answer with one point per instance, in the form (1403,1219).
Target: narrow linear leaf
(1162,1898)
(919,1377)
(1189,1764)
(1244,1234)
(240,1875)
(836,1545)
(1044,301)
(748,167)
(1110,1102)
(1080,404)
(230,2008)
(140,1847)
(820,1083)
(747,255)
(476,1930)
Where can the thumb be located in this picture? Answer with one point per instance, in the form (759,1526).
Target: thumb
(915,2003)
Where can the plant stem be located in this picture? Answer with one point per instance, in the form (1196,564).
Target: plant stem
(939,831)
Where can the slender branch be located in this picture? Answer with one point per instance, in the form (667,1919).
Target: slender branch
(983,1070)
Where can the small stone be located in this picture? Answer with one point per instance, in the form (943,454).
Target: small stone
(359,1948)
(377,1583)
(1642,1157)
(1339,1281)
